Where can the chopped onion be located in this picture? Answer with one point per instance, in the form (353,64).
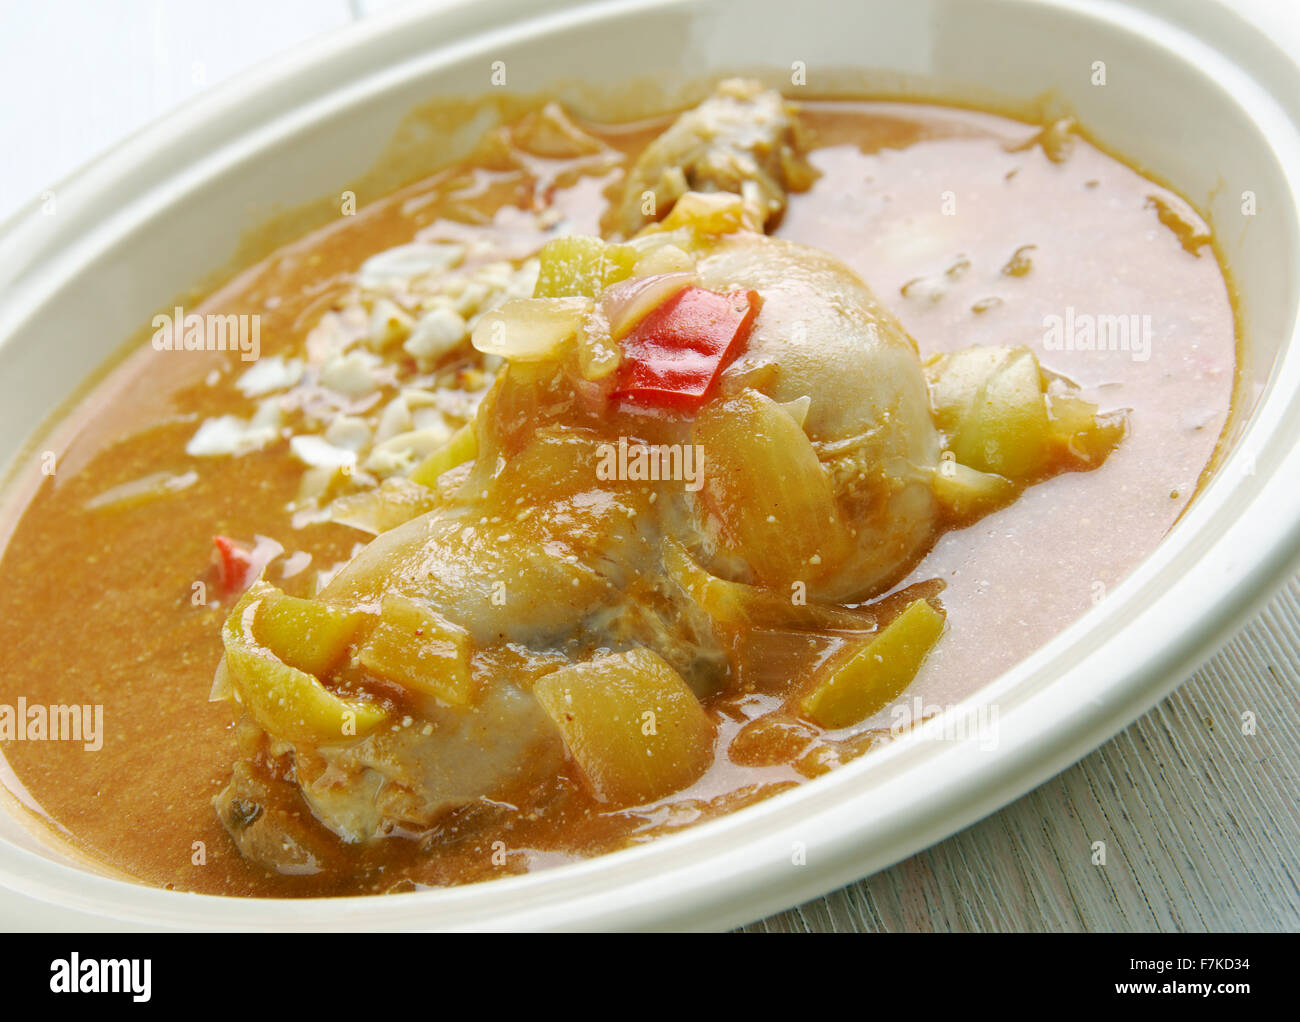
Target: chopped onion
(531,329)
(159,484)
(393,503)
(766,487)
(630,301)
(666,258)
(740,606)
(318,453)
(598,355)
(798,409)
(270,374)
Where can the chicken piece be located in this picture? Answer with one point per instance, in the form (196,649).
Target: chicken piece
(818,466)
(868,416)
(540,550)
(522,554)
(403,780)
(271,838)
(260,815)
(742,139)
(821,439)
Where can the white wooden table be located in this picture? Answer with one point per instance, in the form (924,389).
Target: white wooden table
(1201,822)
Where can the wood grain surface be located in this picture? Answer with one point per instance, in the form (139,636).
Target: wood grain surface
(1201,823)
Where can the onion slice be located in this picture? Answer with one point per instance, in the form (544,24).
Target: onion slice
(627,303)
(530,329)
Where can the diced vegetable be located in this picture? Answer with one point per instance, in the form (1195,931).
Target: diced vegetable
(968,493)
(712,213)
(234,563)
(663,258)
(994,406)
(419,649)
(395,501)
(627,303)
(1008,431)
(462,447)
(581,266)
(765,485)
(306,634)
(292,705)
(1003,429)
(285,701)
(956,380)
(674,355)
(1086,437)
(531,329)
(1070,414)
(634,727)
(852,690)
(598,356)
(737,605)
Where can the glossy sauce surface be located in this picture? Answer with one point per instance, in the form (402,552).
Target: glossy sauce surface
(928,204)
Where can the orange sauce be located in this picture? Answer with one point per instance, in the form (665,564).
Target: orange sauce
(929,204)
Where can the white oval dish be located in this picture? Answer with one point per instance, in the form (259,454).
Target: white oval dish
(1220,116)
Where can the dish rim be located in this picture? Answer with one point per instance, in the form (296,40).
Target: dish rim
(1242,534)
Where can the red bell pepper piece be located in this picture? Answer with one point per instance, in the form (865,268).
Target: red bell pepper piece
(234,563)
(675,355)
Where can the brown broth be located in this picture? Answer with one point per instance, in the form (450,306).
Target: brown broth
(95,606)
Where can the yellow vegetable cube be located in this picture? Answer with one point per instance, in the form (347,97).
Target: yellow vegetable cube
(419,649)
(581,266)
(631,723)
(285,701)
(306,634)
(878,672)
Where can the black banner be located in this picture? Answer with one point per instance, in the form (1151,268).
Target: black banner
(145,971)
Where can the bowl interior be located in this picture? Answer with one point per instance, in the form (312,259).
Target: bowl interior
(1192,96)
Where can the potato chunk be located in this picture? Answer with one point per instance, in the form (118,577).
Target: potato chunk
(420,650)
(877,673)
(631,723)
